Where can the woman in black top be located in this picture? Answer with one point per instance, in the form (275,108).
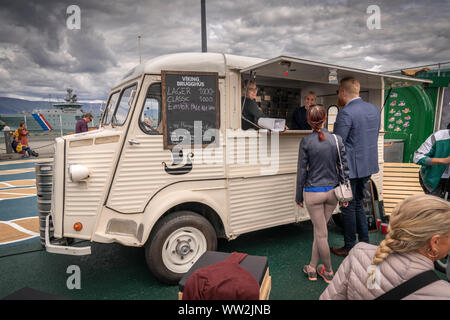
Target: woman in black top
(319,172)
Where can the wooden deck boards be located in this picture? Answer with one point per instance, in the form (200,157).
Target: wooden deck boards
(400,180)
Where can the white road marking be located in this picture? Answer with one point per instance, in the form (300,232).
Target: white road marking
(21,229)
(7,184)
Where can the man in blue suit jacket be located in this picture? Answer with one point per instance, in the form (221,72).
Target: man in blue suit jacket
(358,123)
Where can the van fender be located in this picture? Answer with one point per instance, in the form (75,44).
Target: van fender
(211,193)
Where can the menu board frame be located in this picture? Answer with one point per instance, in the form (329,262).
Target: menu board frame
(164,73)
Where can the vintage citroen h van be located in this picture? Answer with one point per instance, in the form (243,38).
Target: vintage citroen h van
(135,182)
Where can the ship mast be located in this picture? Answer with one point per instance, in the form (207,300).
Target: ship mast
(139,46)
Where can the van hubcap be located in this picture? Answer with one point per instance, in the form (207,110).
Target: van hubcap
(182,248)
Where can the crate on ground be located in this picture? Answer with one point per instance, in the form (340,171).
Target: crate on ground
(400,180)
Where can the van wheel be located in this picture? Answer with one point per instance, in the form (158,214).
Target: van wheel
(175,244)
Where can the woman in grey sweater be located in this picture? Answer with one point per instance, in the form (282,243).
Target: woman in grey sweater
(319,171)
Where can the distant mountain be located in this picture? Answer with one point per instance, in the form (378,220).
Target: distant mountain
(12,106)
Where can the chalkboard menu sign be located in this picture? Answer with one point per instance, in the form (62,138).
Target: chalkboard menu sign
(190,102)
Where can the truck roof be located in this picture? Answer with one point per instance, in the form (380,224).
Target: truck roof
(192,61)
(220,62)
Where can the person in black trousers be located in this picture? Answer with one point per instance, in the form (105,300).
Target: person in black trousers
(358,124)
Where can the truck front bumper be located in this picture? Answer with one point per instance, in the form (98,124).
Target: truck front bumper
(69,250)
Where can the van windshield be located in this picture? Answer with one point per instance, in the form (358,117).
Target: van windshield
(124,106)
(110,108)
(118,107)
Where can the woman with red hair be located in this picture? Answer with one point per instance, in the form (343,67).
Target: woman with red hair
(23,134)
(319,172)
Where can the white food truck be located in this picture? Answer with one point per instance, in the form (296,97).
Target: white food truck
(139,181)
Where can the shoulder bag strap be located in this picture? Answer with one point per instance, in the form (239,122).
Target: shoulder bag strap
(339,154)
(410,286)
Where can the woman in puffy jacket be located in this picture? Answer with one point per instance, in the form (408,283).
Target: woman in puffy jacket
(418,235)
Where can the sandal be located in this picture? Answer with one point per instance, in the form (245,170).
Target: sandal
(327,276)
(311,272)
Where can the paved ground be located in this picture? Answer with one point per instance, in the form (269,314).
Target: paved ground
(113,271)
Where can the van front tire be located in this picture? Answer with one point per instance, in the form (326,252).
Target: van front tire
(175,244)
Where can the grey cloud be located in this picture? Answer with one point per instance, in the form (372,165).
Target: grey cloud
(39,55)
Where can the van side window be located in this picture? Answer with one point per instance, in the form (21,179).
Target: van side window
(150,119)
(110,108)
(124,106)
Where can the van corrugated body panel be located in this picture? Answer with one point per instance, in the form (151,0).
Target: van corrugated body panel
(85,199)
(283,162)
(262,202)
(141,172)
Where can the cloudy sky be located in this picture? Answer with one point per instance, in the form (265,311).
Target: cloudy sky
(40,55)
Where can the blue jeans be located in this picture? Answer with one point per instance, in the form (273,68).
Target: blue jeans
(354,217)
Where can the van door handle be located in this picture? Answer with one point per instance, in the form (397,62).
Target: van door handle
(131,141)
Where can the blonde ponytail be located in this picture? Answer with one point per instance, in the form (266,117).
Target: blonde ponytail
(413,223)
(383,250)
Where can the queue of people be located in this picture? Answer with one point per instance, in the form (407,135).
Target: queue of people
(354,143)
(419,228)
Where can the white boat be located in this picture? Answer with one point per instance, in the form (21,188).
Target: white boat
(62,118)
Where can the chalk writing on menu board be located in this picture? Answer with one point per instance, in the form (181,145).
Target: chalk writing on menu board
(190,107)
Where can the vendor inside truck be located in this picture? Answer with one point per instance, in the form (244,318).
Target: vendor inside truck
(251,112)
(253,117)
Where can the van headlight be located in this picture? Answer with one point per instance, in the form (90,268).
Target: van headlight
(78,172)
